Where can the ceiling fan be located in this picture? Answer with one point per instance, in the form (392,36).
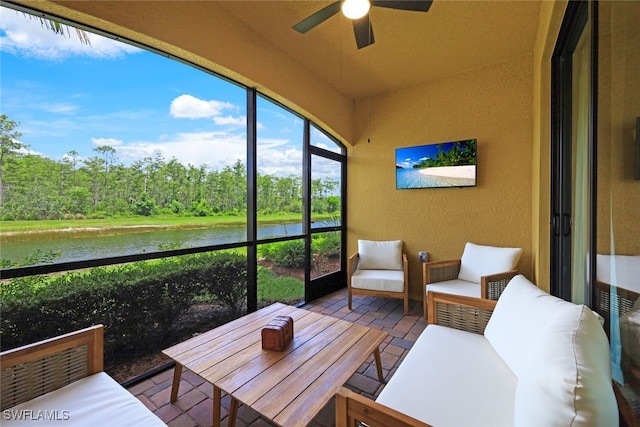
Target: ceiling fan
(358,11)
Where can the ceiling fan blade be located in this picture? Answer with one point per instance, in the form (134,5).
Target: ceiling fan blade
(317,18)
(414,5)
(363,31)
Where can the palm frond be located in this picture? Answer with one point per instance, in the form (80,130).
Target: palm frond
(60,28)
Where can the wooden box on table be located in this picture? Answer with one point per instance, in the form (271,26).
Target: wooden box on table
(278,333)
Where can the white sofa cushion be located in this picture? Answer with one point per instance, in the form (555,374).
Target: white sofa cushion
(97,400)
(566,380)
(479,260)
(455,286)
(452,378)
(378,280)
(385,255)
(521,314)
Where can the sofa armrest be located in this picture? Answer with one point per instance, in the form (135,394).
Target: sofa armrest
(354,410)
(439,271)
(459,312)
(492,285)
(36,369)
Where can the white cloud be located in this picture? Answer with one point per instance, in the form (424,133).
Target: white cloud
(58,107)
(212,149)
(190,107)
(238,121)
(25,35)
(112,142)
(215,150)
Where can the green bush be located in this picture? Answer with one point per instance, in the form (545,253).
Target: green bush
(288,254)
(137,303)
(327,245)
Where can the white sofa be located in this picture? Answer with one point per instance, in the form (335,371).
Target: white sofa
(541,361)
(60,382)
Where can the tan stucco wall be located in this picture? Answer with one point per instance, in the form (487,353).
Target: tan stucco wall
(618,212)
(551,14)
(492,104)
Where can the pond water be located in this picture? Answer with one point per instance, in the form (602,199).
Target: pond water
(84,245)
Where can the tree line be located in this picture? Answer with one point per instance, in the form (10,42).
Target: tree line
(459,154)
(33,187)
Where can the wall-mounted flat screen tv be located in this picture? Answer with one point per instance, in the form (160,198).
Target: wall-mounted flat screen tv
(447,164)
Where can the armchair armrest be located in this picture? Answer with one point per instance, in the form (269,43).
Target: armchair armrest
(352,266)
(36,369)
(492,285)
(439,271)
(354,410)
(459,312)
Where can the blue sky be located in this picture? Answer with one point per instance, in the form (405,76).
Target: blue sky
(408,156)
(69,96)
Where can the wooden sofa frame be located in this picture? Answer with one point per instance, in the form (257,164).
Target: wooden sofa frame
(36,369)
(491,286)
(351,268)
(455,311)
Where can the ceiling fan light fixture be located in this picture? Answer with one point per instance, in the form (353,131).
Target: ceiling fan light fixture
(355,9)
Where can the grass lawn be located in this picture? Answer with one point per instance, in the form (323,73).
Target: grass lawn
(142,221)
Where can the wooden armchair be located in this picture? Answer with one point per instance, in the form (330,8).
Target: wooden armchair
(379,269)
(481,272)
(34,370)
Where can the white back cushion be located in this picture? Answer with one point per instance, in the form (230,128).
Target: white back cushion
(385,255)
(566,378)
(522,312)
(479,260)
(619,270)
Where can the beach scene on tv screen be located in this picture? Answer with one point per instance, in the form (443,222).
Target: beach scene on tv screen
(448,164)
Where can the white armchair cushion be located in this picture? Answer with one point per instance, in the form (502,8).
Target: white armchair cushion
(96,400)
(521,314)
(479,260)
(378,280)
(455,286)
(566,378)
(386,255)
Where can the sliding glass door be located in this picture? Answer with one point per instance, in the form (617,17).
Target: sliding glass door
(572,148)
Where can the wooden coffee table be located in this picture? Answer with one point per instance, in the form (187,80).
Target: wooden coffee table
(288,387)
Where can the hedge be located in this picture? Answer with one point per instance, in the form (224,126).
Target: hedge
(137,303)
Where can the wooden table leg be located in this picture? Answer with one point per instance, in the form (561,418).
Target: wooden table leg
(233,412)
(216,406)
(177,375)
(376,355)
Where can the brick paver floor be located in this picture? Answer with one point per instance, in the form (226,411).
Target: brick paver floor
(194,405)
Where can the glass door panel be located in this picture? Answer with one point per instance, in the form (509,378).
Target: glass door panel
(326,252)
(617,288)
(281,272)
(326,192)
(581,79)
